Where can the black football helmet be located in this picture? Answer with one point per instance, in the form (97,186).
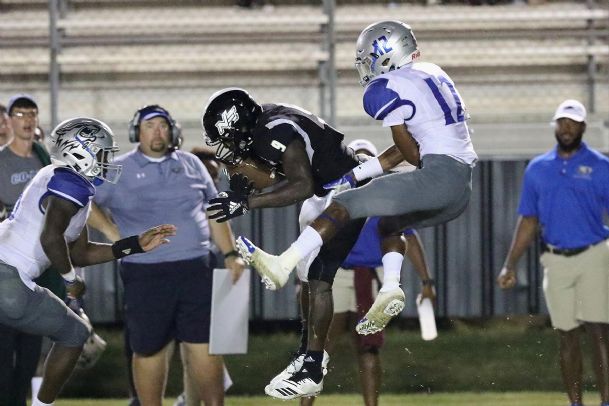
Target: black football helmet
(228,121)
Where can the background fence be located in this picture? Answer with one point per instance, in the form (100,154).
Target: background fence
(513,64)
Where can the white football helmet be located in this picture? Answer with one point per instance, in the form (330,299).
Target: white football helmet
(87,146)
(383,47)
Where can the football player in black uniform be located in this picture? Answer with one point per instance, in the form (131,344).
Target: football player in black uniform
(311,154)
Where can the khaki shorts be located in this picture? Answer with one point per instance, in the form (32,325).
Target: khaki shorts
(343,290)
(577,288)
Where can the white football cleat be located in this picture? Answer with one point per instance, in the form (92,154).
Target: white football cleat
(268,266)
(298,385)
(294,366)
(386,306)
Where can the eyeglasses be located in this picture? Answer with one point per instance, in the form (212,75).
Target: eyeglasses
(23,114)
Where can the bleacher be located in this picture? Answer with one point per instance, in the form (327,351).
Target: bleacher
(511,63)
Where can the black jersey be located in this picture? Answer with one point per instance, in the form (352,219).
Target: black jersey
(281,124)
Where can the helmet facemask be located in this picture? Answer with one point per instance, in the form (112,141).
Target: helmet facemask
(232,148)
(105,168)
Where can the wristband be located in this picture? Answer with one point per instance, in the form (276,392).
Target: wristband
(127,246)
(69,277)
(369,169)
(232,253)
(428,282)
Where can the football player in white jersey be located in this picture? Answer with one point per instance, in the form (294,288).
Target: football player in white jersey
(422,107)
(47,228)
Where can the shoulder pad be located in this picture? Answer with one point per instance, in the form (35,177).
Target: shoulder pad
(379,100)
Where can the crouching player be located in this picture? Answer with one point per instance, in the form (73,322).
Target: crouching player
(47,228)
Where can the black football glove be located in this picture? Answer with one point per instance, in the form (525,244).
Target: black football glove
(239,183)
(233,202)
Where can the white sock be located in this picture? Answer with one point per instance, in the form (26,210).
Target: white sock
(37,402)
(308,241)
(392,270)
(36,382)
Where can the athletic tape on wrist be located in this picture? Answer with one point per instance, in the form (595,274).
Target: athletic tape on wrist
(369,169)
(69,277)
(127,246)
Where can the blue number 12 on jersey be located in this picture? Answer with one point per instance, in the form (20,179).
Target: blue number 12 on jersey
(448,117)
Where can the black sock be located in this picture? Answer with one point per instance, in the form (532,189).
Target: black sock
(312,363)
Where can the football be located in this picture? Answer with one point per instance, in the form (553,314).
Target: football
(261,174)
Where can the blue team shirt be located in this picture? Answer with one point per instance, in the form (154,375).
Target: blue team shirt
(569,197)
(174,191)
(367,250)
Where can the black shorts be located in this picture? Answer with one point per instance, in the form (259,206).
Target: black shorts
(166,301)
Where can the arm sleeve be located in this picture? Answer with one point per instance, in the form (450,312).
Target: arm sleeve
(528,196)
(383,103)
(71,186)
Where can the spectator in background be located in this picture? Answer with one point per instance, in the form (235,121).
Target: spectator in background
(354,289)
(6,131)
(168,296)
(565,195)
(20,161)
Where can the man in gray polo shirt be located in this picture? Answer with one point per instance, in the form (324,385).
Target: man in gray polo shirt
(168,294)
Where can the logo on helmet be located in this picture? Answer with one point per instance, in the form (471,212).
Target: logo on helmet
(382,48)
(229,117)
(86,133)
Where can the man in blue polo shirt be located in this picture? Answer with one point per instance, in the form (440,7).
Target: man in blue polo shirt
(565,194)
(168,295)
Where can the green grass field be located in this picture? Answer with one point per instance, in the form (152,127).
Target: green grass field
(442,399)
(496,362)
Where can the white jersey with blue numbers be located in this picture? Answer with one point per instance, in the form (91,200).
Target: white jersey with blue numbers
(20,233)
(424,98)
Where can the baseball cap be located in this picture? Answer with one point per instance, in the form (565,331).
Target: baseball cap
(571,109)
(19,97)
(148,112)
(356,145)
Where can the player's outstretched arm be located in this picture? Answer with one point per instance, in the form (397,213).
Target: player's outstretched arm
(84,252)
(390,158)
(407,149)
(299,180)
(525,232)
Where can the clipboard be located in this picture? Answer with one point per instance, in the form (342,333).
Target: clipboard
(229,327)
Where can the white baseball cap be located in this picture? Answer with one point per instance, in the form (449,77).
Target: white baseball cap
(356,145)
(571,109)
